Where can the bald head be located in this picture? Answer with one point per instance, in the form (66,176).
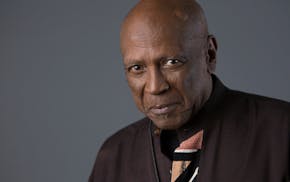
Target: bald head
(152,19)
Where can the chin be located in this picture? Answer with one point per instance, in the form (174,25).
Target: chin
(167,123)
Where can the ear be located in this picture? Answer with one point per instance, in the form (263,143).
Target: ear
(211,53)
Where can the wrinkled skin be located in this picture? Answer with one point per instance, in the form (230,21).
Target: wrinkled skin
(169,58)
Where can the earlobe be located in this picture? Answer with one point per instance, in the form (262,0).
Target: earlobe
(211,53)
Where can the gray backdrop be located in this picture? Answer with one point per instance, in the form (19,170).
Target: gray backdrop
(62,87)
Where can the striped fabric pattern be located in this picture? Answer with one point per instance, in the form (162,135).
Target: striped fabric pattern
(186,159)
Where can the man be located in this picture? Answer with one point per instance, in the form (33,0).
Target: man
(195,128)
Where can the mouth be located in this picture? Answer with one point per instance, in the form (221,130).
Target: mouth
(163,109)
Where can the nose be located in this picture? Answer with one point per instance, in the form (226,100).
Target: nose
(156,83)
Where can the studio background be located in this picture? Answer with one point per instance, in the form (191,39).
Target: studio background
(62,86)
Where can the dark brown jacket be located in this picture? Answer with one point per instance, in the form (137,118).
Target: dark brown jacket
(246,139)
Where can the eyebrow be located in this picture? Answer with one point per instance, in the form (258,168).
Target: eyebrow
(131,63)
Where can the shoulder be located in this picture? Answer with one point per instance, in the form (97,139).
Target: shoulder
(133,130)
(118,150)
(131,135)
(260,107)
(258,100)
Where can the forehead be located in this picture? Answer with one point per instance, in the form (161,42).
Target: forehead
(160,43)
(160,34)
(153,53)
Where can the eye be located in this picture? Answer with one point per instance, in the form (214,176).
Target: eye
(172,63)
(135,69)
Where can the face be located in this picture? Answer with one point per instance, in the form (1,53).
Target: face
(169,77)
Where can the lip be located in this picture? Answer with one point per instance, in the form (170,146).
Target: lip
(163,109)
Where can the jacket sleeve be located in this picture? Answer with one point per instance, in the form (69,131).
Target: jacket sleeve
(100,168)
(105,168)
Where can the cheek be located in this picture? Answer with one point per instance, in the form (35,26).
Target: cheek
(188,89)
(183,80)
(136,86)
(187,85)
(195,85)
